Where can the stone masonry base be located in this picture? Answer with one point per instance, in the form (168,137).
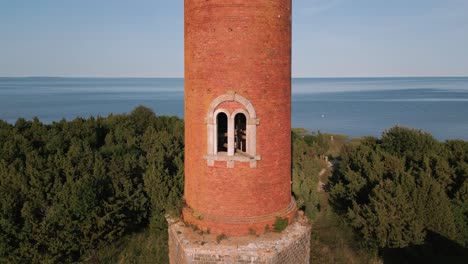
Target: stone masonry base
(292,246)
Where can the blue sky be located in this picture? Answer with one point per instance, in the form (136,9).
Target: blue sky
(144,38)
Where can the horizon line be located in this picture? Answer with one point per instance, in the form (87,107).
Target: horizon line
(293,77)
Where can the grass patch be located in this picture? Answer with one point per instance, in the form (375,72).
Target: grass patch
(332,240)
(335,145)
(338,137)
(143,247)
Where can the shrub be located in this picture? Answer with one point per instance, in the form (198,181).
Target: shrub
(280,224)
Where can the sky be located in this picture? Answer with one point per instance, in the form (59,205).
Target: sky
(144,38)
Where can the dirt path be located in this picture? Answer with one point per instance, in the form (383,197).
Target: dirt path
(321,185)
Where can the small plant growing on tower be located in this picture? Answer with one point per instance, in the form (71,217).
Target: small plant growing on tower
(280,224)
(220,237)
(267,228)
(194,227)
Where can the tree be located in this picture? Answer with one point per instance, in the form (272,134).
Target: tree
(71,187)
(305,169)
(388,219)
(396,189)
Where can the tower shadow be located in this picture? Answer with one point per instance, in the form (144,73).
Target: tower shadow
(436,249)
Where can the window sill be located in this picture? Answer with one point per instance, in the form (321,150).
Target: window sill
(230,160)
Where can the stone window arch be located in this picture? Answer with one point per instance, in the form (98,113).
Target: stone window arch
(241,131)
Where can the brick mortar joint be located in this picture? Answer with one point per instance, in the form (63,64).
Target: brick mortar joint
(200,6)
(242,219)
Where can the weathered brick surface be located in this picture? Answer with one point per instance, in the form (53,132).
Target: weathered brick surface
(292,246)
(242,46)
(230,106)
(239,225)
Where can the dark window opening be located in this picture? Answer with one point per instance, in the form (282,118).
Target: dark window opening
(222,132)
(240,132)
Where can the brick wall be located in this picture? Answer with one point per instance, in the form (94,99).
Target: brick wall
(242,46)
(230,106)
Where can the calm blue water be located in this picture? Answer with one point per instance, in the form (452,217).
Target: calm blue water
(352,106)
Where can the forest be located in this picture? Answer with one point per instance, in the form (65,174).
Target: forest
(407,191)
(96,190)
(71,187)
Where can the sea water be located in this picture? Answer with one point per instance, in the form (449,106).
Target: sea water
(352,106)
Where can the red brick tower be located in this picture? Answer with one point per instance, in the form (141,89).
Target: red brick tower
(237,114)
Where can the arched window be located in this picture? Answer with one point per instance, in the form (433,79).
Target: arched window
(222,132)
(231,136)
(240,133)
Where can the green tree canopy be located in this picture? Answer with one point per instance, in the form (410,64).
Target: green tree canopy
(72,186)
(395,189)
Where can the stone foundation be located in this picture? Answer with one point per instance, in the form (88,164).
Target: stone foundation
(292,246)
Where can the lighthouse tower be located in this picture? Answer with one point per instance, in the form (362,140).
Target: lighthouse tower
(237,116)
